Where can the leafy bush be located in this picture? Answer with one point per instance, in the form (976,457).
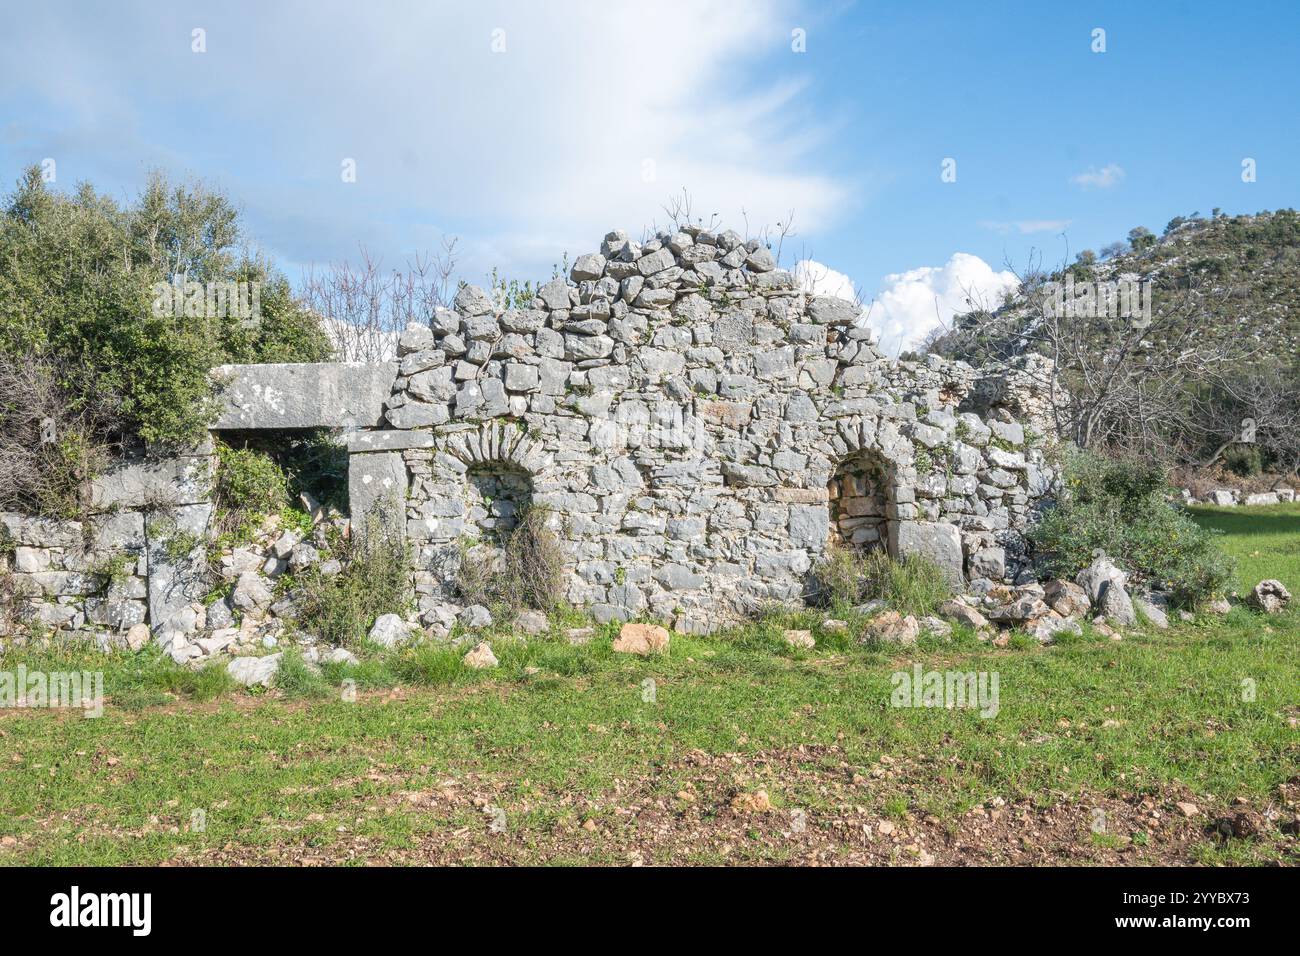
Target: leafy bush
(526,571)
(1125,508)
(78,278)
(375,580)
(1244,461)
(249,486)
(910,585)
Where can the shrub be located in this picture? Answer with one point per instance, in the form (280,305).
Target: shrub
(526,571)
(249,486)
(50,446)
(1244,461)
(375,580)
(1125,508)
(78,277)
(910,585)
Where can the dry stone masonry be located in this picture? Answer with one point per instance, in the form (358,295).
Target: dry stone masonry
(699,428)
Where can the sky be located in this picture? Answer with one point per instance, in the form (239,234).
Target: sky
(919,153)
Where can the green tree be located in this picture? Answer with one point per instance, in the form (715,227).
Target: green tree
(79,275)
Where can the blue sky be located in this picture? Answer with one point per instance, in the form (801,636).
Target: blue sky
(589,115)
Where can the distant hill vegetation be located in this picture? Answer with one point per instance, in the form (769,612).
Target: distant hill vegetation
(1212,375)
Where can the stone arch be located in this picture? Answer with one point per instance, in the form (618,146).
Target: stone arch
(499,464)
(859,497)
(866,486)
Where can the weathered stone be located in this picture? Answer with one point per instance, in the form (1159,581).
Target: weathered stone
(254,671)
(935,541)
(390,631)
(480,657)
(1066,598)
(1269,596)
(643,639)
(532,622)
(1116,605)
(892,627)
(963,614)
(251,593)
(320,395)
(476,616)
(377,488)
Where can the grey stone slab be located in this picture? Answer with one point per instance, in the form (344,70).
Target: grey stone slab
(317,395)
(377,484)
(360,442)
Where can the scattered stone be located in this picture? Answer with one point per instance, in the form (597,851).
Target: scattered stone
(1095,578)
(341,655)
(893,628)
(1269,596)
(1188,810)
(137,636)
(643,639)
(532,622)
(800,639)
(578,636)
(476,616)
(1025,608)
(254,671)
(390,631)
(936,626)
(480,657)
(963,614)
(1147,606)
(1117,606)
(833,626)
(1066,598)
(1045,629)
(219,615)
(251,594)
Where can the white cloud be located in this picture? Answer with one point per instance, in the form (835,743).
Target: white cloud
(815,278)
(910,304)
(595,114)
(1026,227)
(1109,175)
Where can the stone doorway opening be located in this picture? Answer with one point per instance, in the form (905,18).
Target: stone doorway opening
(497,494)
(858,501)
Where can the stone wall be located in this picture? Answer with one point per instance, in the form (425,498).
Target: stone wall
(699,428)
(138,559)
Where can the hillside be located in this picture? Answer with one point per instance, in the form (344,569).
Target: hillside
(1242,273)
(1222,346)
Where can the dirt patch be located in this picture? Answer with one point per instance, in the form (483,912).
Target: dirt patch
(725,809)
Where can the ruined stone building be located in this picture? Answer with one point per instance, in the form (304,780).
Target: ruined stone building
(700,429)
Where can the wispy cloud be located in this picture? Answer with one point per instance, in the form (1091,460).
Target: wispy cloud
(1109,175)
(1026,227)
(530,129)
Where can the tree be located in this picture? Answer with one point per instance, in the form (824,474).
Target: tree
(366,307)
(79,280)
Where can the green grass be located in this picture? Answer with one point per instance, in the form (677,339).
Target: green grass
(560,735)
(1264,539)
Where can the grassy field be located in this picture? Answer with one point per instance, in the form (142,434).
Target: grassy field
(1176,746)
(1265,540)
